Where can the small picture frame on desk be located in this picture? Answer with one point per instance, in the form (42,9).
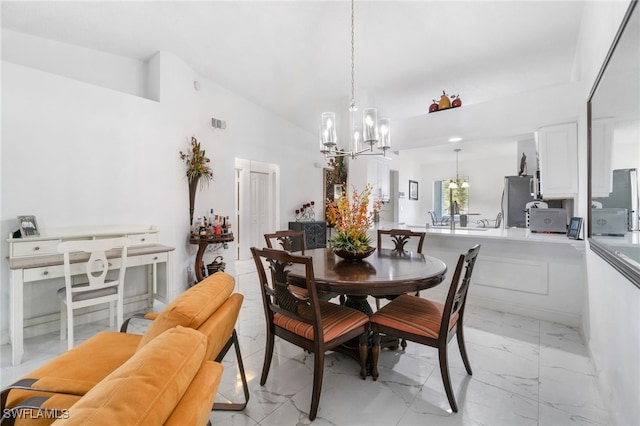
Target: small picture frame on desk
(28,226)
(413,190)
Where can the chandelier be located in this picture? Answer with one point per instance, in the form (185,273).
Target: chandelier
(454,184)
(363,138)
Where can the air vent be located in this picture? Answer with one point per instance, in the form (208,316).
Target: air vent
(218,124)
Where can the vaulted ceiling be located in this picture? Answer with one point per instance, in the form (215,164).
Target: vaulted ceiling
(293,57)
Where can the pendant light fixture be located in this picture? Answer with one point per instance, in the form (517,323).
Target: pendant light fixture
(363,138)
(453,184)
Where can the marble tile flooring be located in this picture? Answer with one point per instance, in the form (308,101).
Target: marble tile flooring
(525,372)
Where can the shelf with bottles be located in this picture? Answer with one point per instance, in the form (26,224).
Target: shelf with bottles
(216,228)
(222,238)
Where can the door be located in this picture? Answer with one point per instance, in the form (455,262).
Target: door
(257,200)
(258,208)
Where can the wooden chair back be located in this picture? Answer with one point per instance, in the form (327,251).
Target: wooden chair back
(299,317)
(279,296)
(288,240)
(400,237)
(457,296)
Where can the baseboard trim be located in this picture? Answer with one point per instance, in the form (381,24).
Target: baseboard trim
(45,324)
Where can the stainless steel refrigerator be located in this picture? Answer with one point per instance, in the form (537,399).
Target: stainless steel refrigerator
(517,193)
(624,195)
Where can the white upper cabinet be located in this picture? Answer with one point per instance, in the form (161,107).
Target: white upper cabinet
(601,149)
(378,175)
(558,150)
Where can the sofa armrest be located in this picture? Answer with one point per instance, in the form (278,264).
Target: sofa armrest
(140,321)
(195,406)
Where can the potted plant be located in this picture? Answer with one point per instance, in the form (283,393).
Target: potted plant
(351,218)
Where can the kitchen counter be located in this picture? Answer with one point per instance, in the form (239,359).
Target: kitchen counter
(511,234)
(537,275)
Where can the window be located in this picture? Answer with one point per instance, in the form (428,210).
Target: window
(443,196)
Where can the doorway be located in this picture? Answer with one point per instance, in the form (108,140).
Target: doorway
(389,209)
(257,201)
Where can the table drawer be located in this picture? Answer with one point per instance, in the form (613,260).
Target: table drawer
(57,271)
(141,239)
(43,273)
(35,248)
(147,259)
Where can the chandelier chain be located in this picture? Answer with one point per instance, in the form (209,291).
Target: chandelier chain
(352,107)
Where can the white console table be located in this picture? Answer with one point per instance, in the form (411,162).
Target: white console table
(33,259)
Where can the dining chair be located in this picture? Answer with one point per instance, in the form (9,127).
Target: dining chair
(428,322)
(288,240)
(400,238)
(491,223)
(303,319)
(98,289)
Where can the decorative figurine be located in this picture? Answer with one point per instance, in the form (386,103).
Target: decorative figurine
(444,101)
(523,165)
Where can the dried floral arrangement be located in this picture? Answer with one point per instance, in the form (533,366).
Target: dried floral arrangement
(351,217)
(197,162)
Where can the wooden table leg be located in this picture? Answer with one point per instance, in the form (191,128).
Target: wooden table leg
(202,246)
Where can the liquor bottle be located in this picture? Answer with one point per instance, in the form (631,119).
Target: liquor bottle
(229,225)
(195,231)
(211,217)
(224,225)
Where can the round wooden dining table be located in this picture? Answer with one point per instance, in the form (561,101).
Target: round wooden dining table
(385,273)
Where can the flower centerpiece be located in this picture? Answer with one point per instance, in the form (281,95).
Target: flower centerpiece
(351,217)
(197,167)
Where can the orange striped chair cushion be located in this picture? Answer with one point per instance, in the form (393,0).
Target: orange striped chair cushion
(336,320)
(413,314)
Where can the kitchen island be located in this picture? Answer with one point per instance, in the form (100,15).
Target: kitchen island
(536,275)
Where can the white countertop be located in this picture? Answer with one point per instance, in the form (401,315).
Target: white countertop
(514,234)
(77,232)
(630,238)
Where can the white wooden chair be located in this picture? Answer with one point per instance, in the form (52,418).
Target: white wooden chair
(98,290)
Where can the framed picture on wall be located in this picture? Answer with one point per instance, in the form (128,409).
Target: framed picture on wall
(337,191)
(28,226)
(413,190)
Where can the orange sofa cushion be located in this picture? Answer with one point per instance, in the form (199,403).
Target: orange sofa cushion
(79,369)
(193,307)
(146,388)
(219,327)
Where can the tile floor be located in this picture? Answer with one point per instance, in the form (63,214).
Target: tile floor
(525,372)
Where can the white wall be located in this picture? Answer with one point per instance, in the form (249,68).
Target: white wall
(612,303)
(102,69)
(78,154)
(486,179)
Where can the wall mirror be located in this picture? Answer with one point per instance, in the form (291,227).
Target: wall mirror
(614,152)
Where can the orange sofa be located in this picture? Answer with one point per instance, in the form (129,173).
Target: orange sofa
(210,307)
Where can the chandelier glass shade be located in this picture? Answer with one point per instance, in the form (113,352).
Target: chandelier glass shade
(363,138)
